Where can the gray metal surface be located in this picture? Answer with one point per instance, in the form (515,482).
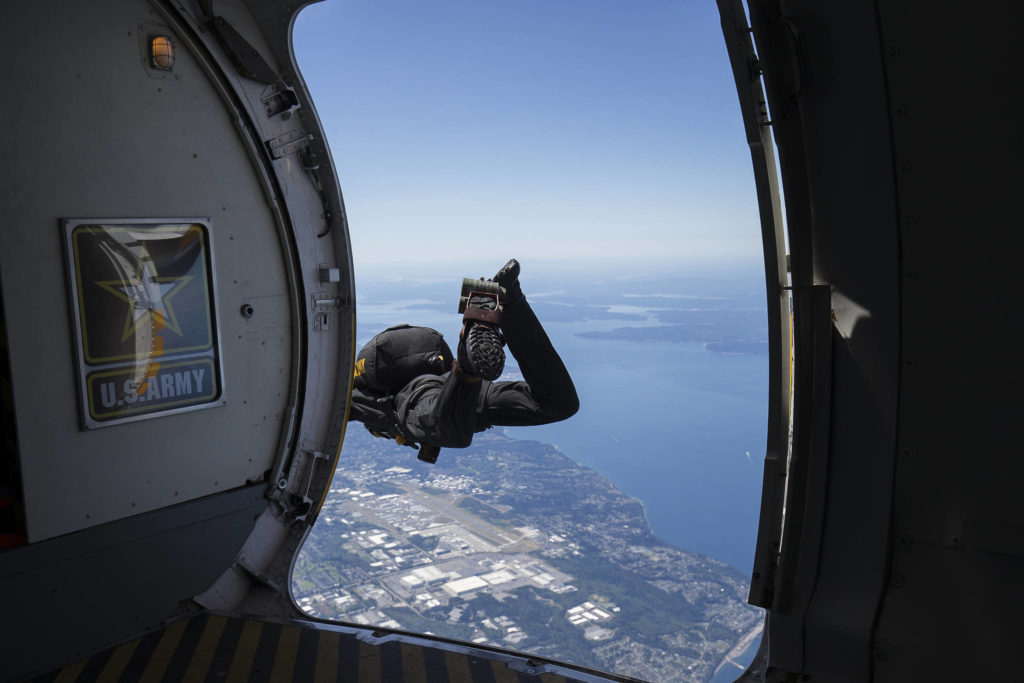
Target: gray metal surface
(67,597)
(99,132)
(757,127)
(96,136)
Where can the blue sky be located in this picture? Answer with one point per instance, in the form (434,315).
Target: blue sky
(562,129)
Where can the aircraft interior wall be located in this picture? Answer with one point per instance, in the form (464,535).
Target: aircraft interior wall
(126,141)
(12,505)
(899,553)
(175,250)
(899,148)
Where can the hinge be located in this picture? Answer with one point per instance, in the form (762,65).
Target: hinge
(288,143)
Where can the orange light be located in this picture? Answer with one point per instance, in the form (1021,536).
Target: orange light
(162,53)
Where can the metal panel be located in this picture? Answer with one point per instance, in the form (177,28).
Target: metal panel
(958,522)
(69,596)
(100,133)
(825,87)
(747,74)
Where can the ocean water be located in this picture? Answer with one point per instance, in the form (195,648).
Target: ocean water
(664,416)
(672,425)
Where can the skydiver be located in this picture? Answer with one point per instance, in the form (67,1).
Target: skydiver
(409,388)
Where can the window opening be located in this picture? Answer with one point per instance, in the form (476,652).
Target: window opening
(517,542)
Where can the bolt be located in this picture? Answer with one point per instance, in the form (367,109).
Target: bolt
(246,310)
(897,581)
(903,540)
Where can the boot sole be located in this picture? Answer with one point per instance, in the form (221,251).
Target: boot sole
(484,348)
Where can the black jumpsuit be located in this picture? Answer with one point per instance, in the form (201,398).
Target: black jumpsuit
(445,411)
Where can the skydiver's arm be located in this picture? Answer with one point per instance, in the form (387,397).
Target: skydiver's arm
(439,410)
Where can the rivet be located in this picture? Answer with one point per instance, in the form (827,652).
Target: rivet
(911,274)
(903,540)
(897,581)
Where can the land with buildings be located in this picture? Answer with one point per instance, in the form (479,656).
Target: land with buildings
(512,544)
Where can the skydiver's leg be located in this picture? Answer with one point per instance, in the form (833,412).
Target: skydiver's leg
(546,393)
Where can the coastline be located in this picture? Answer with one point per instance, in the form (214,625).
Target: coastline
(742,645)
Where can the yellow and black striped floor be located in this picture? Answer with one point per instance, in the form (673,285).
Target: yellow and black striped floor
(228,649)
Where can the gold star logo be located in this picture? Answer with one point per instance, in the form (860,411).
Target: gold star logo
(148,296)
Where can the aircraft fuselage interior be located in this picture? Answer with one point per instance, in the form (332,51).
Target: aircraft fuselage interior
(177,340)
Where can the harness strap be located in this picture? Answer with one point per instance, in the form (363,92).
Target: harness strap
(482,314)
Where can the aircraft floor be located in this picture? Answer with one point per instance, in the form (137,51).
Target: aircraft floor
(210,647)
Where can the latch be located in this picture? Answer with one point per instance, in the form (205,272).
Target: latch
(294,487)
(324,307)
(278,100)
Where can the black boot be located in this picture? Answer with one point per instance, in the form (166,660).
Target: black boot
(480,343)
(508,277)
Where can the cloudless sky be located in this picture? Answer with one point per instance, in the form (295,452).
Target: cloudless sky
(566,129)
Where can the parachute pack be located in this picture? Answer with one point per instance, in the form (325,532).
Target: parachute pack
(398,355)
(387,363)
